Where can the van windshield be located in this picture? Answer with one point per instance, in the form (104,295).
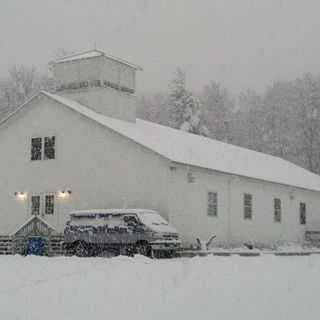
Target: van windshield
(152,218)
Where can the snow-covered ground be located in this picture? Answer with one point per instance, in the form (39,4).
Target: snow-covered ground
(265,287)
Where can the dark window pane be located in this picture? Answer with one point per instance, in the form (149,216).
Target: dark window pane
(247,206)
(303,213)
(277,210)
(49,204)
(36,146)
(35,205)
(49,148)
(212,204)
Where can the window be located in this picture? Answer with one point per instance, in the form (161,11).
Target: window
(303,213)
(49,204)
(49,148)
(247,206)
(277,209)
(35,205)
(42,204)
(212,209)
(36,148)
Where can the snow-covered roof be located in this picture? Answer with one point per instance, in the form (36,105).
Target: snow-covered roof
(181,147)
(194,150)
(93,54)
(30,220)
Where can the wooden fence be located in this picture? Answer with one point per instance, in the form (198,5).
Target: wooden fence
(53,245)
(5,245)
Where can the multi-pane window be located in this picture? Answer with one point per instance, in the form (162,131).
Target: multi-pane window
(247,206)
(49,148)
(35,205)
(36,148)
(303,213)
(47,144)
(277,209)
(49,204)
(212,209)
(42,204)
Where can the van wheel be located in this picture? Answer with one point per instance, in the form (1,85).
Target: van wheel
(81,249)
(144,249)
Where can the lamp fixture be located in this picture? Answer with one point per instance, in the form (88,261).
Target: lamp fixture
(64,193)
(20,195)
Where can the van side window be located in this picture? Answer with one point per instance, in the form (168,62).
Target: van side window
(131,221)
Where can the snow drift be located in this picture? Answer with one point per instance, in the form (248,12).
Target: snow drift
(265,287)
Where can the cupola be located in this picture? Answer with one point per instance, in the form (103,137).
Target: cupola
(99,81)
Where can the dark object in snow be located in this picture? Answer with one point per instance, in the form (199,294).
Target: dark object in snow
(248,245)
(35,246)
(204,245)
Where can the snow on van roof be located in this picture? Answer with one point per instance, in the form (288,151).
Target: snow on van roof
(93,54)
(89,212)
(181,147)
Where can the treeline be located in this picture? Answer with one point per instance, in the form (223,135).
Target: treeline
(284,121)
(20,85)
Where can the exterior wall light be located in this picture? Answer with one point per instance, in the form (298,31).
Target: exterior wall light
(64,193)
(20,195)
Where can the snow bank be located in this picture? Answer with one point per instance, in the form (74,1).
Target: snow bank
(265,287)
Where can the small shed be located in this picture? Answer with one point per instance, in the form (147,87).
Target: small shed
(38,228)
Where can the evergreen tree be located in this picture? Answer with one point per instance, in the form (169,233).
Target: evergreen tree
(186,108)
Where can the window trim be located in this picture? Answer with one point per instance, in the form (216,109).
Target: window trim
(245,206)
(215,205)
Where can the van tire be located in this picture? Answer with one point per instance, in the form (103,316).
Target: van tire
(143,248)
(81,249)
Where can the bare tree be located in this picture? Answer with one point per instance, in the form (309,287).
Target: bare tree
(217,108)
(22,83)
(308,99)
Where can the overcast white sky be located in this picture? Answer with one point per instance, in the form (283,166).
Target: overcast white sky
(240,43)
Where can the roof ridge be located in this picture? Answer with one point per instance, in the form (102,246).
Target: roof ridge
(102,53)
(8,116)
(78,54)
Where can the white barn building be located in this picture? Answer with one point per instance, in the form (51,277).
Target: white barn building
(83,147)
